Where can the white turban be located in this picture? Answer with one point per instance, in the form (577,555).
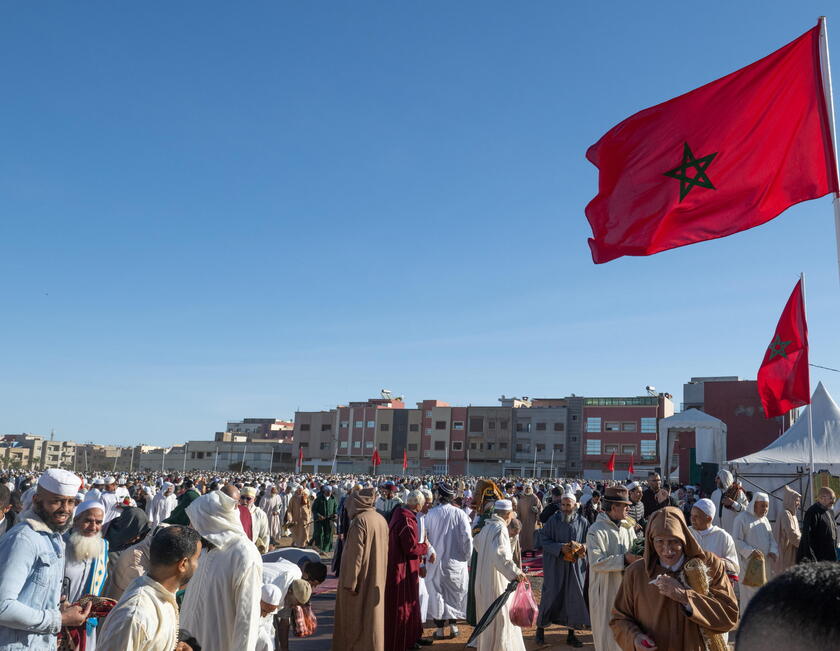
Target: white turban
(86,506)
(61,482)
(216,518)
(503,505)
(272,594)
(707,506)
(569,495)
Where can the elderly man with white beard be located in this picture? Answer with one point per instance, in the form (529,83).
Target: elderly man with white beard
(86,567)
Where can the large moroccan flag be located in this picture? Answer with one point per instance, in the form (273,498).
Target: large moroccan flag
(783,379)
(375,458)
(720,159)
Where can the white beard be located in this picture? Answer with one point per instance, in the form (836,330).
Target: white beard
(83,548)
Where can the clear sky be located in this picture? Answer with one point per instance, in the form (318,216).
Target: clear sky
(213,210)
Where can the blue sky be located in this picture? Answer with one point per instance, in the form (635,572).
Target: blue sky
(213,211)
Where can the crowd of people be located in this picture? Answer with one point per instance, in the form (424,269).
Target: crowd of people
(158,561)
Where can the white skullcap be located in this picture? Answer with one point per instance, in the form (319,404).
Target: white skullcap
(569,495)
(503,505)
(168,485)
(61,482)
(707,506)
(632,485)
(86,506)
(110,480)
(271,594)
(98,480)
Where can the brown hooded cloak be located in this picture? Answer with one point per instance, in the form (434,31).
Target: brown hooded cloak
(787,533)
(640,608)
(360,601)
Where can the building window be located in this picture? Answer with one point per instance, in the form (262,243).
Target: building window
(476,424)
(371,424)
(491,424)
(593,424)
(503,445)
(428,431)
(429,413)
(647,449)
(574,417)
(304,427)
(357,444)
(344,444)
(558,447)
(440,424)
(574,439)
(523,427)
(383,447)
(359,424)
(490,446)
(383,427)
(559,427)
(440,445)
(628,427)
(304,444)
(412,447)
(540,447)
(345,424)
(628,449)
(325,446)
(610,449)
(520,447)
(612,427)
(457,445)
(540,427)
(648,426)
(369,445)
(326,427)
(458,424)
(503,424)
(473,445)
(414,427)
(593,446)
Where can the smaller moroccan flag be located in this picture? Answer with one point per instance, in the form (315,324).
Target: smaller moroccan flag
(611,463)
(630,469)
(375,459)
(783,379)
(405,460)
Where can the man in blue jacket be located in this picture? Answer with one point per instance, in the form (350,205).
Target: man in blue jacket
(32,562)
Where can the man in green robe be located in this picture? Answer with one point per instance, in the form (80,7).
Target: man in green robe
(324,510)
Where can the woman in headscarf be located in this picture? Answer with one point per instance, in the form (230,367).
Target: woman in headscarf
(655,608)
(753,533)
(786,531)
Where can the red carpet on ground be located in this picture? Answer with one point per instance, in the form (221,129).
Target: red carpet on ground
(533,565)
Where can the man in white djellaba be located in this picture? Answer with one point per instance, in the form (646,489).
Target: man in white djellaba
(447,578)
(162,504)
(753,533)
(495,570)
(221,608)
(727,509)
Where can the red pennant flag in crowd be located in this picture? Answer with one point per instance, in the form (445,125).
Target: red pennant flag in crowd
(783,379)
(611,463)
(300,459)
(728,156)
(630,469)
(405,460)
(375,459)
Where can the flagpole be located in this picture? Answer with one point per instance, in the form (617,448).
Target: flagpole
(534,469)
(551,475)
(825,67)
(810,420)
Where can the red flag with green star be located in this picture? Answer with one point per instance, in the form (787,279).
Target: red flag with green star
(720,159)
(783,380)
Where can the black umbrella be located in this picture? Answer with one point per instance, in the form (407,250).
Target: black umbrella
(492,611)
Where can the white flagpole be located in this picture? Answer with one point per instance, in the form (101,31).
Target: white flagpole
(184,471)
(242,465)
(216,459)
(534,469)
(552,463)
(825,66)
(810,420)
(468,458)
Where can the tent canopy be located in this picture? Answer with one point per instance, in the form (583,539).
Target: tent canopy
(792,446)
(709,436)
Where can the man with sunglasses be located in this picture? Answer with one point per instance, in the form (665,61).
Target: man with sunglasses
(254,520)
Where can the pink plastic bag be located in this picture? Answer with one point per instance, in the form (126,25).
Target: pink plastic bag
(523,611)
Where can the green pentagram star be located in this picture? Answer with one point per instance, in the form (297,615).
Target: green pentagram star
(680,172)
(777,348)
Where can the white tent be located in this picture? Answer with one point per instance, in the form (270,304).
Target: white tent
(709,437)
(786,460)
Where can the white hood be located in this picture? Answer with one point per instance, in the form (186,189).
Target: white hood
(216,518)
